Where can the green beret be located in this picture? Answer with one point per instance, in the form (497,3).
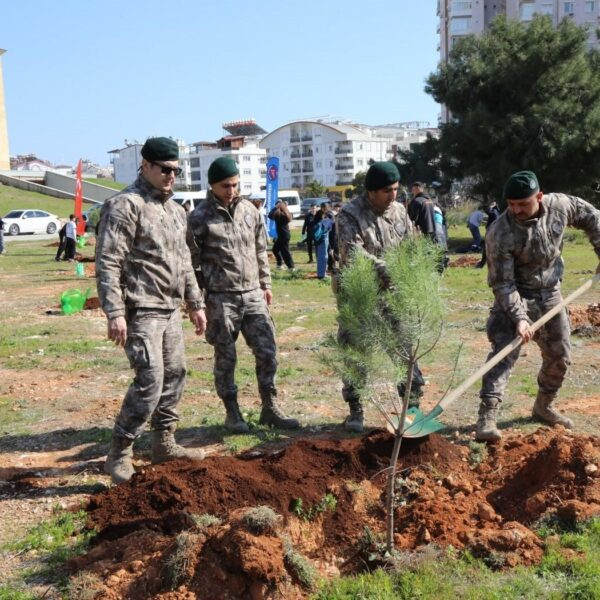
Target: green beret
(521,185)
(222,168)
(160,148)
(381,174)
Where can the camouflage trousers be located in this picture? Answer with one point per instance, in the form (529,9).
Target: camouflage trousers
(349,390)
(155,351)
(553,340)
(228,313)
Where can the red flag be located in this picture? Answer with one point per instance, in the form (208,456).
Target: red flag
(79,201)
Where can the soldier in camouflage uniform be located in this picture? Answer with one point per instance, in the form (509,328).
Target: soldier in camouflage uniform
(144,272)
(227,239)
(523,249)
(371,224)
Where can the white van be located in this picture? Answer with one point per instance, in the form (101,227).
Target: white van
(191,198)
(290,197)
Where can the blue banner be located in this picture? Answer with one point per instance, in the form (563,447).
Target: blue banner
(271,192)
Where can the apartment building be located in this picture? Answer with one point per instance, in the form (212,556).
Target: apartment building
(460,17)
(242,145)
(463,17)
(333,152)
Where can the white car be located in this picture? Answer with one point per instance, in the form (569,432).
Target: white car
(30,221)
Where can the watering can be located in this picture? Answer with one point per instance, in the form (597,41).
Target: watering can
(73,300)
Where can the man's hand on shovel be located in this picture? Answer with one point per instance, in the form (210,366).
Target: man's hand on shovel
(524,331)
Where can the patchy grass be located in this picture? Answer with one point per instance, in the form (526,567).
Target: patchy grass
(15,199)
(52,543)
(560,575)
(76,345)
(110,183)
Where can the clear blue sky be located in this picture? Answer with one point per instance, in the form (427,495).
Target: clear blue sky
(80,76)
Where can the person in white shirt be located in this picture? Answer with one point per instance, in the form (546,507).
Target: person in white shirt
(71,238)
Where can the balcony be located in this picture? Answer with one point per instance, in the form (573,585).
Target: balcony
(296,169)
(294,139)
(344,150)
(295,154)
(307,137)
(343,167)
(307,169)
(307,153)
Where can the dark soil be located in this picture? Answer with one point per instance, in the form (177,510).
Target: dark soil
(585,320)
(91,304)
(440,499)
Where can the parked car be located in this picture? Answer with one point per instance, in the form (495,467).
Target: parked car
(189,200)
(290,197)
(308,202)
(30,221)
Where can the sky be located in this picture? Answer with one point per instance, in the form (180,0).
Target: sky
(81,77)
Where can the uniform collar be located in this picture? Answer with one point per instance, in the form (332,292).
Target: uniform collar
(148,189)
(217,203)
(377,213)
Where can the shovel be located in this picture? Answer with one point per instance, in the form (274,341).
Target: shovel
(419,425)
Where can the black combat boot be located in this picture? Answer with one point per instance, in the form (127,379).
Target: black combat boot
(271,414)
(234,421)
(355,420)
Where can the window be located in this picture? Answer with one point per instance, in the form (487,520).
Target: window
(330,148)
(569,8)
(319,164)
(247,186)
(359,162)
(458,6)
(526,11)
(590,7)
(194,163)
(247,171)
(547,8)
(246,158)
(195,175)
(460,25)
(331,163)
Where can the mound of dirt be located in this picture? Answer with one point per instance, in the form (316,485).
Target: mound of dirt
(440,499)
(91,304)
(585,319)
(465,261)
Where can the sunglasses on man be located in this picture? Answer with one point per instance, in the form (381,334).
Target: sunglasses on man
(168,170)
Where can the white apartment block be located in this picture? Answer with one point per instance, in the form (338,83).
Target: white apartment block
(332,153)
(250,158)
(459,18)
(126,162)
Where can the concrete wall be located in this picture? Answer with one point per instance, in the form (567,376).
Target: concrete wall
(43,189)
(91,191)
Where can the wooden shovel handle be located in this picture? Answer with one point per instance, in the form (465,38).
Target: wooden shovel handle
(465,385)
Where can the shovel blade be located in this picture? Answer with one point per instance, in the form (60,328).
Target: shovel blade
(419,424)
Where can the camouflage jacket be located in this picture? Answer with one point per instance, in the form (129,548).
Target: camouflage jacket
(524,259)
(361,229)
(142,259)
(229,247)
